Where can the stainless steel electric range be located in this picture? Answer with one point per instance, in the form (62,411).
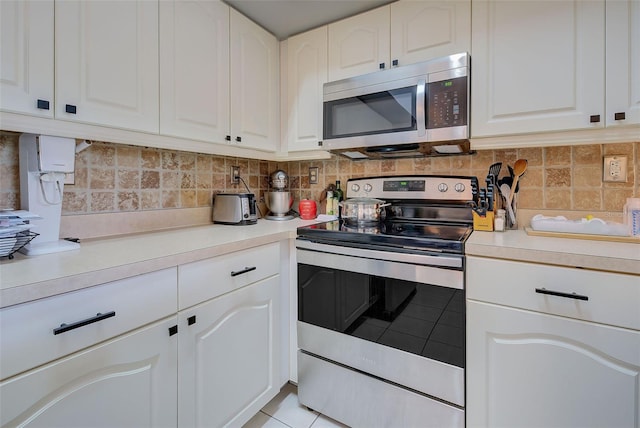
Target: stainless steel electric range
(381,312)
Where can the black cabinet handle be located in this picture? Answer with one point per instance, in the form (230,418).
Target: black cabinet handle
(173,330)
(381,66)
(595,118)
(319,143)
(228,138)
(619,116)
(239,139)
(99,317)
(69,108)
(191,320)
(394,62)
(561,294)
(43,104)
(245,270)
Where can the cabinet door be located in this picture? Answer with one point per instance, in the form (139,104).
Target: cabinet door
(229,353)
(307,72)
(623,62)
(129,381)
(255,74)
(359,45)
(537,66)
(422,30)
(194,69)
(527,369)
(106,63)
(26,65)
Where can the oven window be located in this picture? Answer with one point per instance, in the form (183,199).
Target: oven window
(422,319)
(382,112)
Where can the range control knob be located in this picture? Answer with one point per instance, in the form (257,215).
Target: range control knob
(442,187)
(459,187)
(355,187)
(368,188)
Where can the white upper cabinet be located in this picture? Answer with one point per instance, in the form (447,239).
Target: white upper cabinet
(537,67)
(106,63)
(402,33)
(194,69)
(307,72)
(623,62)
(359,45)
(26,64)
(255,75)
(421,30)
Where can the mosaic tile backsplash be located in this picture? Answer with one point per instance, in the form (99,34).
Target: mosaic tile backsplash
(120,178)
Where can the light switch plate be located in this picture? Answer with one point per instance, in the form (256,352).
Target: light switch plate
(614,169)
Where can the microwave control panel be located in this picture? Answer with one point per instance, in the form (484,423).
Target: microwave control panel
(447,103)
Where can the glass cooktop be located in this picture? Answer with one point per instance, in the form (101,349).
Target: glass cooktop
(407,235)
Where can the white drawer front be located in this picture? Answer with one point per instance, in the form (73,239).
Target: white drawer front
(611,298)
(206,279)
(27,336)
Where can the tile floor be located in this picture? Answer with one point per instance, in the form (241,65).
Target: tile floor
(284,411)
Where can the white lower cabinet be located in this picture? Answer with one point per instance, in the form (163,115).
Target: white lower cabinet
(229,353)
(127,354)
(129,381)
(550,360)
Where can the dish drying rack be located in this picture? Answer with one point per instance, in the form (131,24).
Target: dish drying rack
(10,244)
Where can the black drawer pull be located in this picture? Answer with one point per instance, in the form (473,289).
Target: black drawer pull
(381,66)
(70,108)
(239,139)
(394,62)
(594,118)
(43,104)
(74,325)
(245,270)
(619,116)
(561,294)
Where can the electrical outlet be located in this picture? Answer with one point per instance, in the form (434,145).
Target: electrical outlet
(615,169)
(235,174)
(70,178)
(313,175)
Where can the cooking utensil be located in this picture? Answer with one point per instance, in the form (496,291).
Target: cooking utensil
(494,171)
(362,210)
(519,168)
(506,193)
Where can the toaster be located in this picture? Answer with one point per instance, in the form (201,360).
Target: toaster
(235,208)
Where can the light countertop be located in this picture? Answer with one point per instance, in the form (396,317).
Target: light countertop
(582,253)
(98,261)
(103,260)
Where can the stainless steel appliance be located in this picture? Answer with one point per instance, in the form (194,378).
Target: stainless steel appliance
(235,208)
(381,316)
(279,199)
(414,110)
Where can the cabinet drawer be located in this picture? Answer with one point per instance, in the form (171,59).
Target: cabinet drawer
(607,298)
(205,279)
(30,333)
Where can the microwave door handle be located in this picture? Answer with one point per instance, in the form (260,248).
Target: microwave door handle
(421,117)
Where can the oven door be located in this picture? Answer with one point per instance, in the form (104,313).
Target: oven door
(402,321)
(376,114)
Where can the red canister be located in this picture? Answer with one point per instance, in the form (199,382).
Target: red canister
(308,209)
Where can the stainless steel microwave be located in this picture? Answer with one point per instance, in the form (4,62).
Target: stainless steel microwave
(395,109)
